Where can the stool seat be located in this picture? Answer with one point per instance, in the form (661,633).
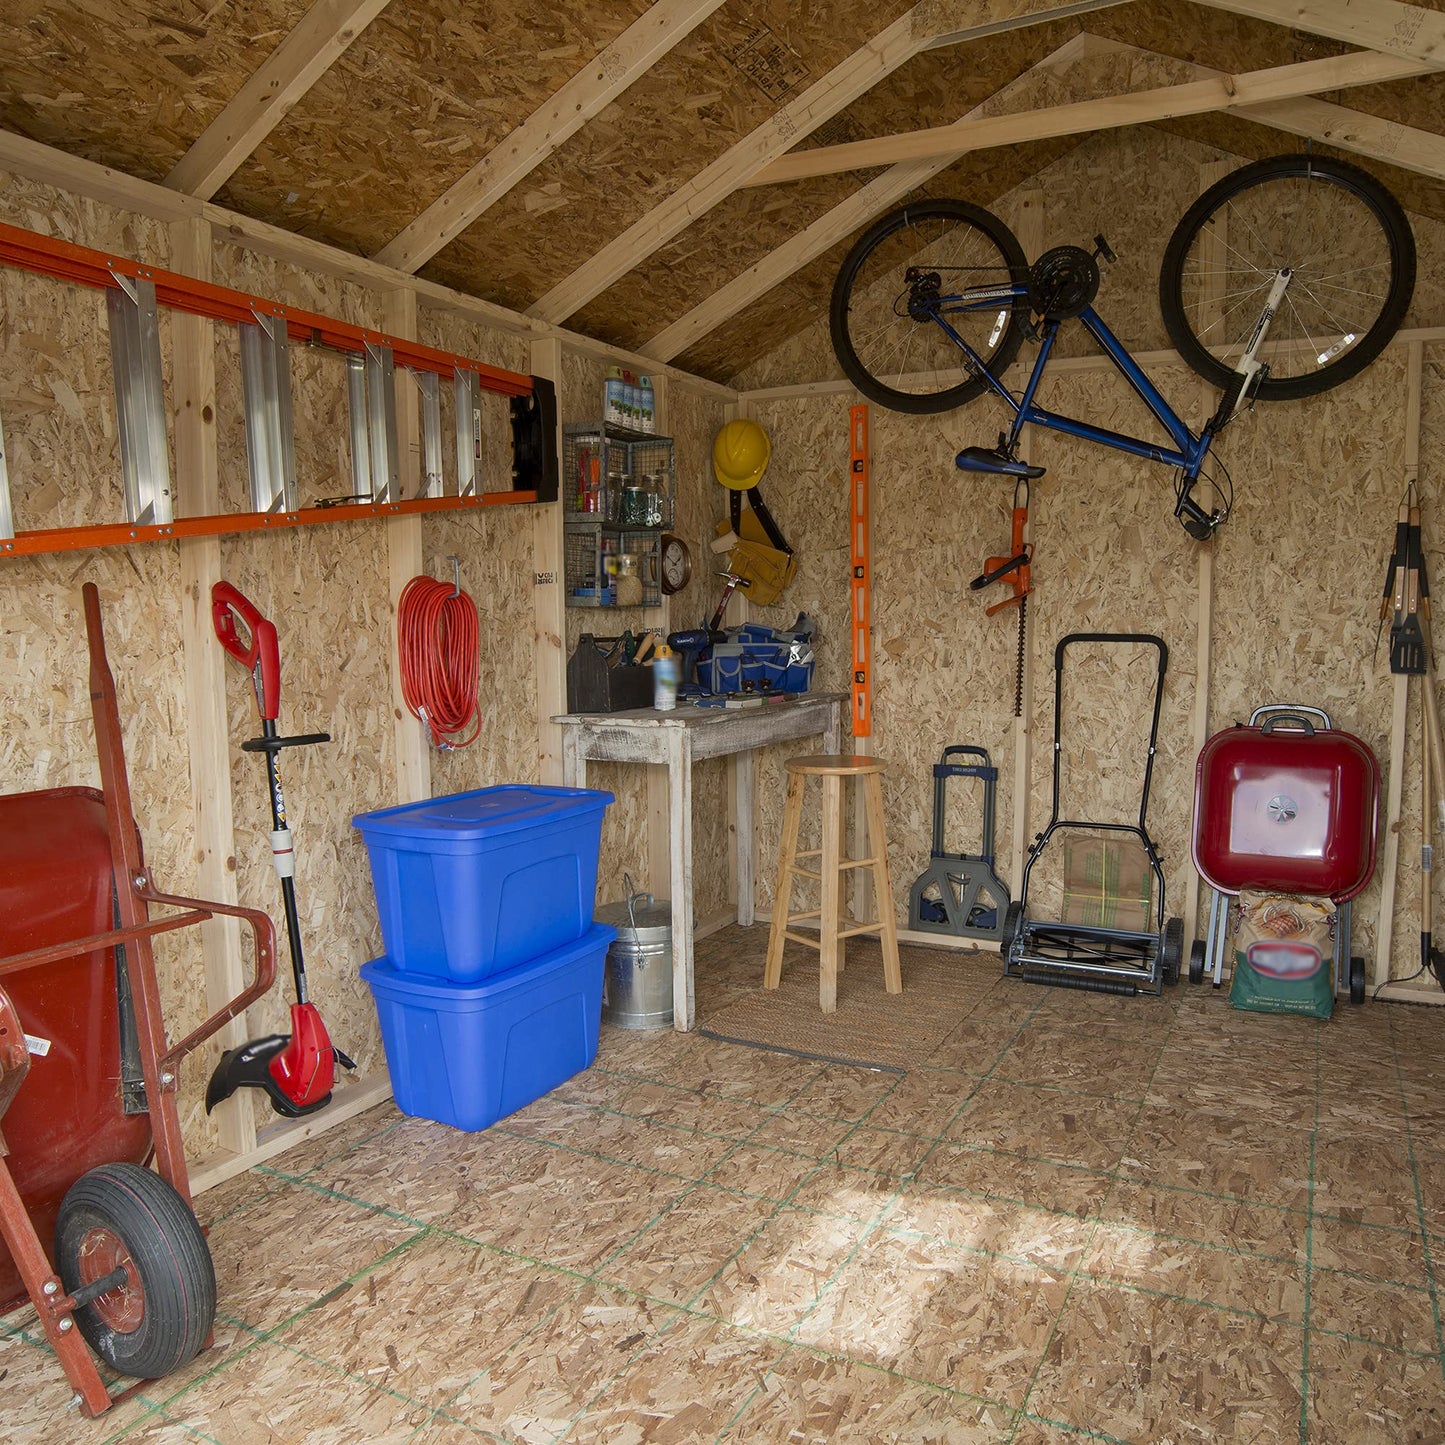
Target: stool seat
(831,941)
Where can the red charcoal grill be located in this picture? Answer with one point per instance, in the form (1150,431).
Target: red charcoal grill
(130,1272)
(1288,805)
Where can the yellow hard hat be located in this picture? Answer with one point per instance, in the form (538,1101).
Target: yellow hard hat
(740,453)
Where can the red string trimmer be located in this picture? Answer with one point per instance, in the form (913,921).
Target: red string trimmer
(297,1069)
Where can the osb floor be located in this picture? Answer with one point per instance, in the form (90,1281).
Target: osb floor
(1082,1218)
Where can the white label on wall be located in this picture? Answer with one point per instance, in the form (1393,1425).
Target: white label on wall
(38,1047)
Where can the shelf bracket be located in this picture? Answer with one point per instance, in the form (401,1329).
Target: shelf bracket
(270,438)
(381,423)
(135,357)
(469,430)
(429,384)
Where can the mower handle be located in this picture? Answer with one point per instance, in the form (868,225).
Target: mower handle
(261,656)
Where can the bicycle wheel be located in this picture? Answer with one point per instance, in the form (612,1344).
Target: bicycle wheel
(1347,243)
(889,287)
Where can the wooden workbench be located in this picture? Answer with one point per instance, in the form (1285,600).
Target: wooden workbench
(676,740)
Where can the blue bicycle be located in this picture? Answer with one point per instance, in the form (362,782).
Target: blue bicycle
(1284,279)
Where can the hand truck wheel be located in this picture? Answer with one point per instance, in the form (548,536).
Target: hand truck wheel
(1357,979)
(127,1245)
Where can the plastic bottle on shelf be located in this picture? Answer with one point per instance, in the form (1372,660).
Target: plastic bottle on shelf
(648,405)
(630,403)
(664,679)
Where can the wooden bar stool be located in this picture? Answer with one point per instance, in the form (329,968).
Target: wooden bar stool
(831,942)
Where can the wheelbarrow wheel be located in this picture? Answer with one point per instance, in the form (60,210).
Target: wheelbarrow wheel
(121,1217)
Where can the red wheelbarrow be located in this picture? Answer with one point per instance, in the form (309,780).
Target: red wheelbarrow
(88,1079)
(1288,804)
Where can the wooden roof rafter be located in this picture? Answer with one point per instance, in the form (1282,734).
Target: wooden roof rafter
(1195,97)
(521,151)
(262,103)
(1384,25)
(923,27)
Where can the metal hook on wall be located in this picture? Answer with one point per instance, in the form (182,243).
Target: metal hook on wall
(456,575)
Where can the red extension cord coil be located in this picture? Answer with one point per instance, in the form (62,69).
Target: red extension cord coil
(436,626)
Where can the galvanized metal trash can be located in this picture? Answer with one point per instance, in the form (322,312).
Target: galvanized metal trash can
(637,985)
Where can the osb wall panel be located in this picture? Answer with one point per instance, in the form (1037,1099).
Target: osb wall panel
(694,420)
(806,490)
(326,591)
(1297,572)
(126,86)
(655,137)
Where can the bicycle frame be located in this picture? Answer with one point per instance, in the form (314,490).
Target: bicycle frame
(1188,450)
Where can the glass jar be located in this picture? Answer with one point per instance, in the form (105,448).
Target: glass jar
(627,583)
(634,503)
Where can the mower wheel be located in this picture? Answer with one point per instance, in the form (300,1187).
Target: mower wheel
(1172,954)
(121,1217)
(1013,921)
(1197,952)
(1357,979)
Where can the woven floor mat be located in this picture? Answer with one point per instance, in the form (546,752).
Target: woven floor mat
(870,1026)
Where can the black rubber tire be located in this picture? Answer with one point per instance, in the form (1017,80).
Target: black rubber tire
(1002,260)
(1012,921)
(1357,979)
(1172,949)
(1197,952)
(173,1279)
(1393,236)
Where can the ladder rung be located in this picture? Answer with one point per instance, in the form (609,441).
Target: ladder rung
(806,873)
(807,852)
(798,917)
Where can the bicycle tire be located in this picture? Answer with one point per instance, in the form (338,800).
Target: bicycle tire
(1337,330)
(876,344)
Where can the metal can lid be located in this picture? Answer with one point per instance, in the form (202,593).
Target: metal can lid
(646,912)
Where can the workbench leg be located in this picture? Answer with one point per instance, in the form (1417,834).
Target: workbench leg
(679,816)
(574,765)
(743,838)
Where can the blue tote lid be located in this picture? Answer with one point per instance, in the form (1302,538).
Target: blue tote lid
(483,814)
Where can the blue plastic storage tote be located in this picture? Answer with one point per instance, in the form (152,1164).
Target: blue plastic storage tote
(470,1054)
(476,883)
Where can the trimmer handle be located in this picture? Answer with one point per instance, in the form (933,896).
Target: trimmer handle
(261,655)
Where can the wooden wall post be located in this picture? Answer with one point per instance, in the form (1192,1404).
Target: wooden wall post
(405,558)
(549,618)
(198,493)
(658,846)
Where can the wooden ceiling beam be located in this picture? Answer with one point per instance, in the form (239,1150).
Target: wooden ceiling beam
(915,30)
(1352,130)
(1222,92)
(522,150)
(1383,25)
(263,102)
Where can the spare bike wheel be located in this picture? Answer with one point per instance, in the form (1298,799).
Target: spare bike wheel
(903,272)
(124,1220)
(1351,254)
